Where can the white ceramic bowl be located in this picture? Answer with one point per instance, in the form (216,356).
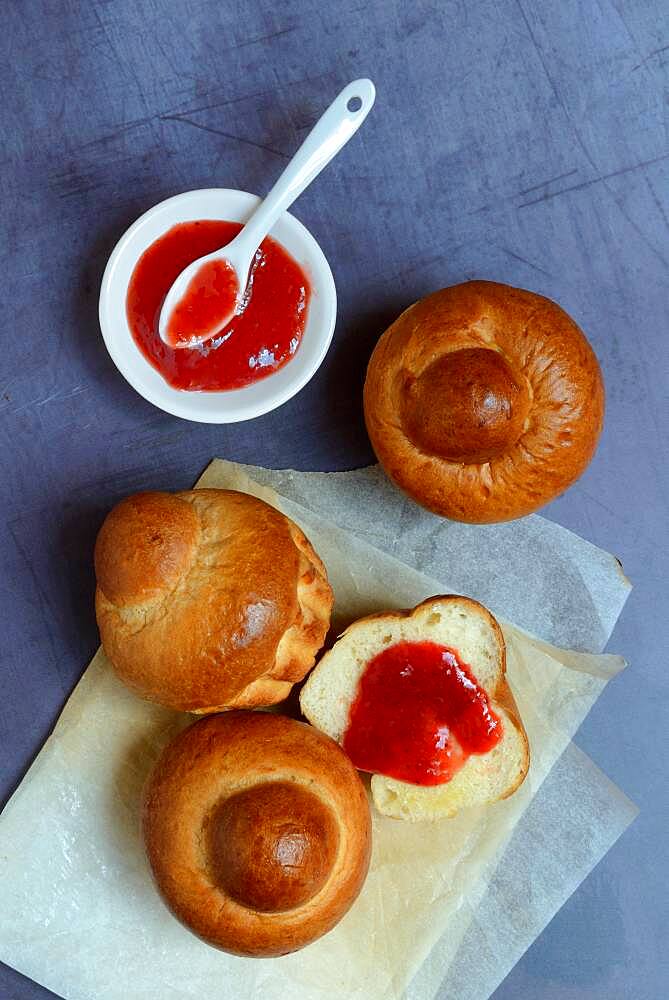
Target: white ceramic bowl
(236,404)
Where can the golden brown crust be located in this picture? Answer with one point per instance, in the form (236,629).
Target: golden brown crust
(228,797)
(144,545)
(503,696)
(208,599)
(483,402)
(271,847)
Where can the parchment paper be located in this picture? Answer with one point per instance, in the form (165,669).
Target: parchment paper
(535,573)
(80,915)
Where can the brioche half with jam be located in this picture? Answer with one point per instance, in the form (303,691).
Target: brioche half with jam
(208,599)
(419,698)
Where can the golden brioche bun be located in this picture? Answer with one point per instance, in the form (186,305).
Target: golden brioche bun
(208,599)
(257,830)
(483,402)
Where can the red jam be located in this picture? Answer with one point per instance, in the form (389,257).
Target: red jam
(419,714)
(209,300)
(257,342)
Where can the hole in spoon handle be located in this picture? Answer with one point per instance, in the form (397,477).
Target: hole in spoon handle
(358,98)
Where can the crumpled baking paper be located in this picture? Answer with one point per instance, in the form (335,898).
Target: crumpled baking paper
(80,914)
(532,572)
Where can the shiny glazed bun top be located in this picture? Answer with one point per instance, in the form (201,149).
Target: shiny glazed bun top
(258,832)
(208,599)
(484,402)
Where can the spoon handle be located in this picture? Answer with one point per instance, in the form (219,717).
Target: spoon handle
(332,131)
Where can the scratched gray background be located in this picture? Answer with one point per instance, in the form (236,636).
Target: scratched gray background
(521,140)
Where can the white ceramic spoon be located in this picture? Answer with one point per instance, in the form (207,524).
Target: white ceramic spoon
(332,131)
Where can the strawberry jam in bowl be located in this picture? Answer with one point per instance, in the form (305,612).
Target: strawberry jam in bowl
(268,351)
(264,334)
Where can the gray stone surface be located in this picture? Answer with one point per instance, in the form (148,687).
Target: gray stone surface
(521,141)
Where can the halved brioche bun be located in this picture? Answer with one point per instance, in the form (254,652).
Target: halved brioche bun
(464,625)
